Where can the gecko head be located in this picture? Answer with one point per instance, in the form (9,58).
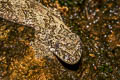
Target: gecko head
(69,49)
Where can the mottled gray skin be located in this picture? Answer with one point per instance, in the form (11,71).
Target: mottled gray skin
(52,35)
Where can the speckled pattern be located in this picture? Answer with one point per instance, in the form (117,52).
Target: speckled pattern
(52,35)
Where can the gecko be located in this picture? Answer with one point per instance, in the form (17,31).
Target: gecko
(52,36)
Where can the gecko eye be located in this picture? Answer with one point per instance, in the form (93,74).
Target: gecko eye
(57,45)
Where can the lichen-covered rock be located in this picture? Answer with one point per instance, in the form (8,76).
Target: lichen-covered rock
(52,35)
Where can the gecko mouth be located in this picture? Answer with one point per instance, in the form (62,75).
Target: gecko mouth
(73,67)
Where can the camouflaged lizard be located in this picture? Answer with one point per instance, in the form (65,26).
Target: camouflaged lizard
(52,35)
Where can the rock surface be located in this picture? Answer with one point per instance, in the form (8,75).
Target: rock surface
(17,57)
